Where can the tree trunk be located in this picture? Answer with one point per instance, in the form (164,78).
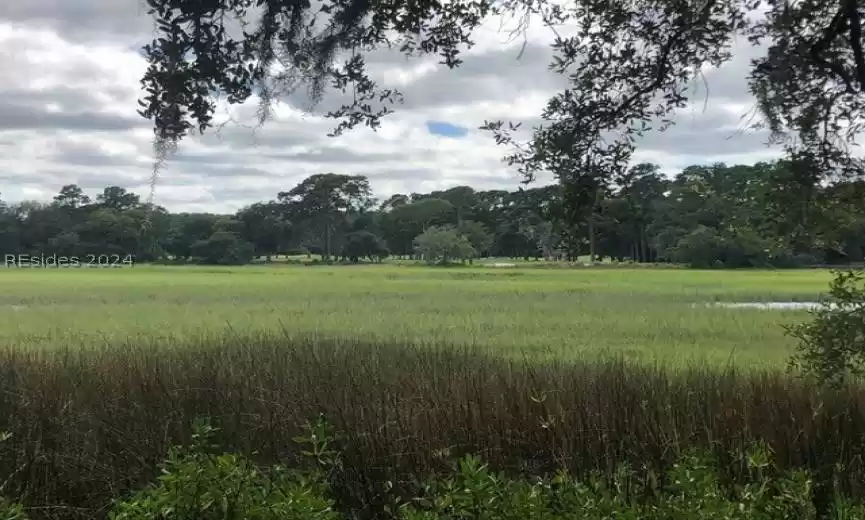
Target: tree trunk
(592,214)
(644,246)
(327,242)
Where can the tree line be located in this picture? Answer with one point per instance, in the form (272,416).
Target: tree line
(767,214)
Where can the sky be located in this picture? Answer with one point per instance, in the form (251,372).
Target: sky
(70,85)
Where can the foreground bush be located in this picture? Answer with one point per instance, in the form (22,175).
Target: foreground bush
(11,511)
(89,426)
(695,491)
(199,485)
(832,342)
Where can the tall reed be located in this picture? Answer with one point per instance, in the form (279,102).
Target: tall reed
(88,425)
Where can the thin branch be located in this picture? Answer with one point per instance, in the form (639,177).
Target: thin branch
(852,9)
(663,61)
(835,28)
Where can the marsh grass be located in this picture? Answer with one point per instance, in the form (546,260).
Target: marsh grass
(91,424)
(531,369)
(645,315)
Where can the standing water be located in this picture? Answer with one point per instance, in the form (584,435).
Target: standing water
(770,305)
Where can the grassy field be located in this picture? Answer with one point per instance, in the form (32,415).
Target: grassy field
(644,314)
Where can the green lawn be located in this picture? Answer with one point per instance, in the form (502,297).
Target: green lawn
(643,313)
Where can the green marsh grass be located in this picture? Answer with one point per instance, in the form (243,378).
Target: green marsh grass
(643,314)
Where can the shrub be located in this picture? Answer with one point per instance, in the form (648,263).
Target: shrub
(832,344)
(694,490)
(442,244)
(706,247)
(11,511)
(199,485)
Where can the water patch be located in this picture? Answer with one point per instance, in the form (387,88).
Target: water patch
(501,264)
(773,305)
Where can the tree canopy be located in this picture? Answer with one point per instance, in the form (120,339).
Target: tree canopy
(711,215)
(628,62)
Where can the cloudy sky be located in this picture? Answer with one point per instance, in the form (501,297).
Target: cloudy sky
(70,82)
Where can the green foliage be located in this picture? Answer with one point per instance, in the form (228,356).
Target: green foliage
(477,235)
(627,73)
(8,510)
(11,511)
(442,244)
(199,483)
(767,214)
(322,202)
(706,247)
(265,225)
(695,486)
(364,244)
(401,224)
(694,491)
(223,248)
(296,35)
(196,484)
(832,343)
(318,440)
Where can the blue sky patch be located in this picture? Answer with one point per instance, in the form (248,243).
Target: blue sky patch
(446,129)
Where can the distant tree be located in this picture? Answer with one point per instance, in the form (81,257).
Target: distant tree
(394,201)
(71,196)
(109,231)
(403,223)
(364,244)
(544,236)
(223,248)
(10,229)
(264,225)
(462,198)
(775,213)
(640,189)
(117,198)
(363,219)
(515,241)
(535,220)
(706,247)
(440,244)
(186,229)
(228,223)
(155,228)
(845,219)
(477,235)
(325,200)
(39,224)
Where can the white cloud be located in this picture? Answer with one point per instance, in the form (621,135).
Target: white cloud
(68,115)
